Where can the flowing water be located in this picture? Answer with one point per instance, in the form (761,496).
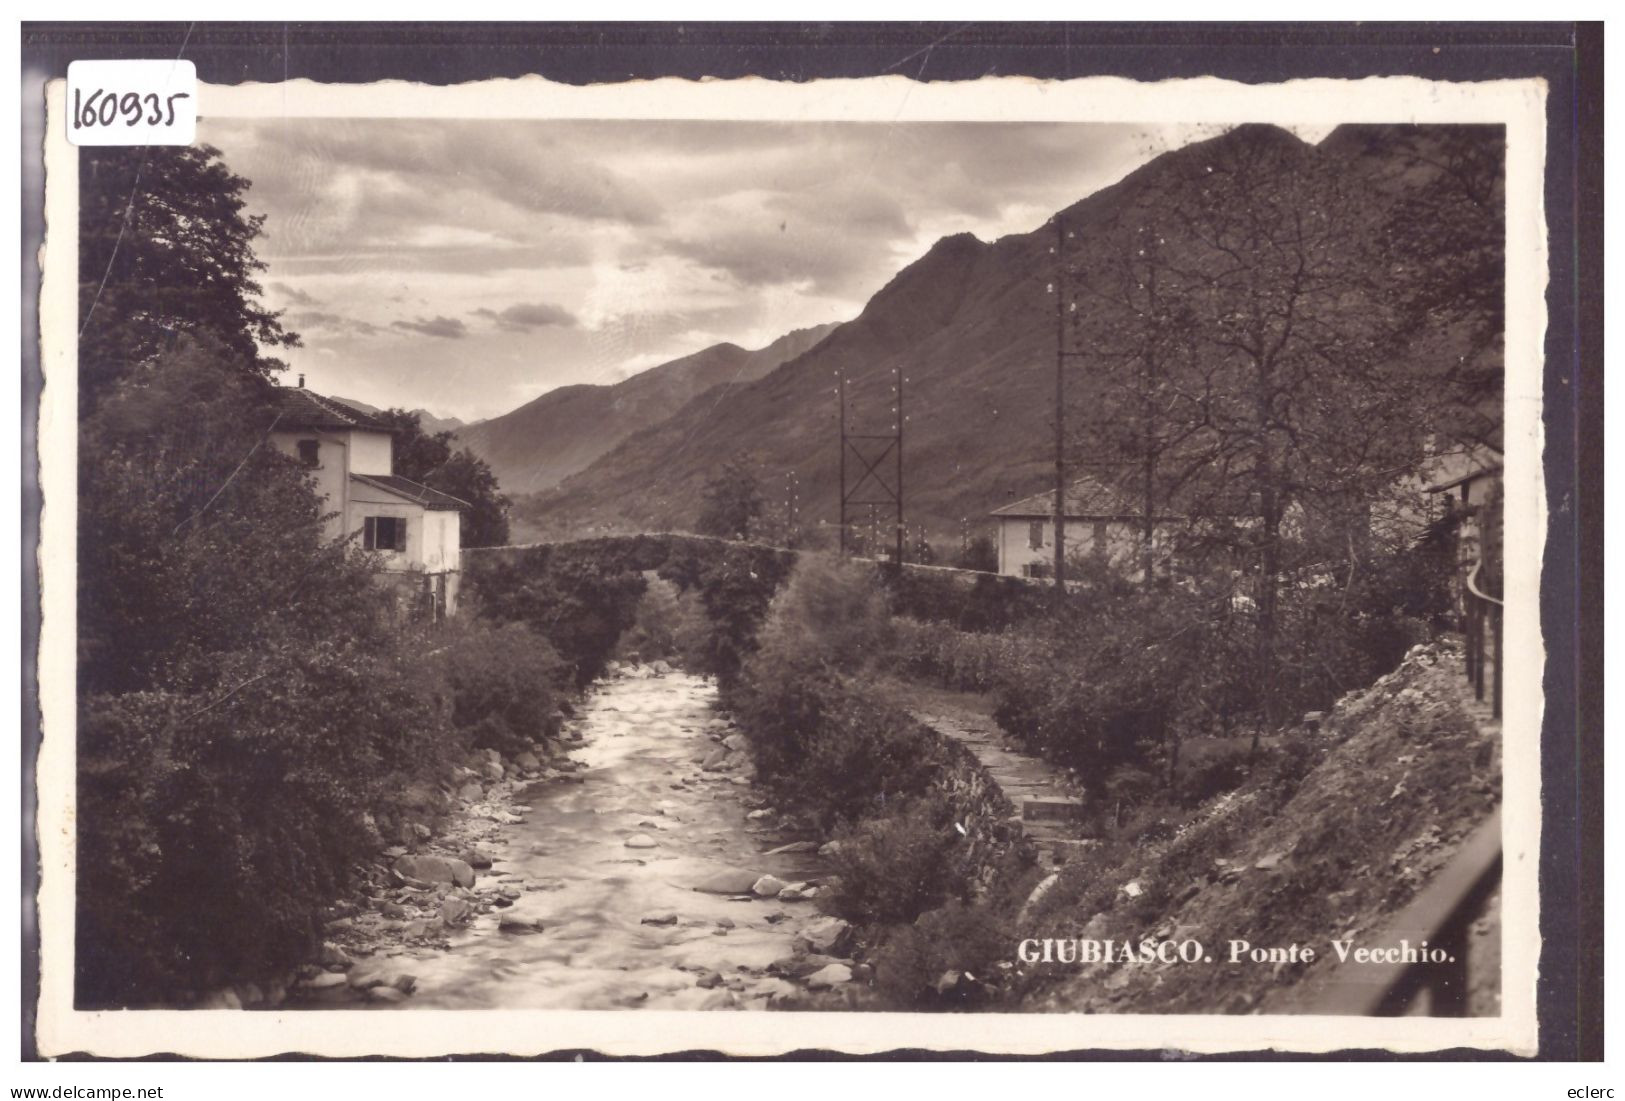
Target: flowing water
(640,774)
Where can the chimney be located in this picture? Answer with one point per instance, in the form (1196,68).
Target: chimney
(301,382)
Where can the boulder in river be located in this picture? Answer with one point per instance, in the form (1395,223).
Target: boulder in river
(833,974)
(454,911)
(517,926)
(436,869)
(828,936)
(728,883)
(721,999)
(471,792)
(799,967)
(795,847)
(335,958)
(709,981)
(528,762)
(660,919)
(477,858)
(374,976)
(768,886)
(640,841)
(715,760)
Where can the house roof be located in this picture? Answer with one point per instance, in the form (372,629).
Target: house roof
(1449,471)
(296,407)
(431,499)
(1086,499)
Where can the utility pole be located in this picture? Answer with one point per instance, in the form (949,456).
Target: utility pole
(897,411)
(872,461)
(840,395)
(1060,408)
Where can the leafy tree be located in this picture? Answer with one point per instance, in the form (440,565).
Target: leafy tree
(733,499)
(165,248)
(431,459)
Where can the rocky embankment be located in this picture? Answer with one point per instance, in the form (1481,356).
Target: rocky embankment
(1353,821)
(630,864)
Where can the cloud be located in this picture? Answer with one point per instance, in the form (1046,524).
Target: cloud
(323,322)
(522,316)
(565,251)
(450,328)
(294,295)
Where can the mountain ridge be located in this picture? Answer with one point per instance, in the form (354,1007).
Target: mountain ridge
(535,446)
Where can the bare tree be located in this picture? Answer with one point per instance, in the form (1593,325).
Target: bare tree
(1251,327)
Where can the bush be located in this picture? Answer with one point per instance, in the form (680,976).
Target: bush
(830,613)
(216,824)
(968,938)
(1213,776)
(580,597)
(505,682)
(735,585)
(895,867)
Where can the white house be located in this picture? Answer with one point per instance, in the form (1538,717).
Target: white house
(416,530)
(1099,522)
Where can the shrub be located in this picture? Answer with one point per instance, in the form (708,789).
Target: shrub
(505,683)
(829,612)
(894,867)
(1213,776)
(968,938)
(215,824)
(581,597)
(735,584)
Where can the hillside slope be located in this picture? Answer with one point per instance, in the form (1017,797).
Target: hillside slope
(1403,773)
(970,325)
(429,421)
(546,440)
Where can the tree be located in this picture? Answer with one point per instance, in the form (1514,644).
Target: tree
(733,499)
(430,459)
(165,249)
(1263,350)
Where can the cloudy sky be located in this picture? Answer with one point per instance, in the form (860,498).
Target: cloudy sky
(468,267)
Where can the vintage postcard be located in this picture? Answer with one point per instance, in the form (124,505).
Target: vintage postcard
(1010,566)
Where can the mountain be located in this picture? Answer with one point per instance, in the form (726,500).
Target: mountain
(970,326)
(545,441)
(431,423)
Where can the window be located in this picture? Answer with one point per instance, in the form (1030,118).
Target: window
(385,533)
(310,452)
(1035,535)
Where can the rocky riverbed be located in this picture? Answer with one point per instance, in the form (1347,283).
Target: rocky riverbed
(637,868)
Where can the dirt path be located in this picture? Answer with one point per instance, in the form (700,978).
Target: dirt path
(1045,796)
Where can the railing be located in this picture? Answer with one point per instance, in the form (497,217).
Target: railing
(1441,917)
(1483,631)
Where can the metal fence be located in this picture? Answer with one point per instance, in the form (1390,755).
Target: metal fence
(1483,631)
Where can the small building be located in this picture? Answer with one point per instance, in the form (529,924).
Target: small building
(417,531)
(1100,522)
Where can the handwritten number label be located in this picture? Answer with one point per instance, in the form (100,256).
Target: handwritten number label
(132,102)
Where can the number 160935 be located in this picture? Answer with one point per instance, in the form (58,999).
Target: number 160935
(132,102)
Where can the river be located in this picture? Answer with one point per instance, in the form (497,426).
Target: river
(603,907)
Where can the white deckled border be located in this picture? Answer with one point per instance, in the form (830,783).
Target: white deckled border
(1519,105)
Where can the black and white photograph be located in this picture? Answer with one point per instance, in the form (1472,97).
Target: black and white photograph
(855,565)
